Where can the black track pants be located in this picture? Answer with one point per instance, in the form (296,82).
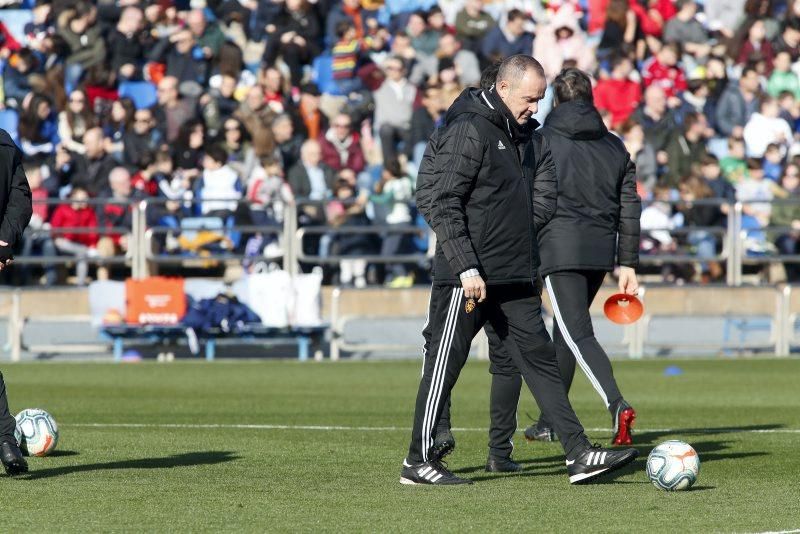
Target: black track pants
(7,422)
(514,311)
(503,399)
(571,294)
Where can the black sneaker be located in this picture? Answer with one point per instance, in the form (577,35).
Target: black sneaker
(595,461)
(432,472)
(502,465)
(538,432)
(443,444)
(12,459)
(622,419)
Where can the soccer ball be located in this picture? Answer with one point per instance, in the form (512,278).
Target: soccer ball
(673,466)
(36,432)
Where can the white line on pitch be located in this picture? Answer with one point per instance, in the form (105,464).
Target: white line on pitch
(406,429)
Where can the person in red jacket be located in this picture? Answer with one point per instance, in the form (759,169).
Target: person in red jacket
(341,146)
(663,70)
(618,94)
(76,238)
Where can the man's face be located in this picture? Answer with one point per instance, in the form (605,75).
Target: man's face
(783,62)
(655,99)
(516,27)
(750,82)
(341,127)
(522,97)
(93,142)
(394,70)
(448,46)
(167,91)
(311,155)
(142,121)
(121,184)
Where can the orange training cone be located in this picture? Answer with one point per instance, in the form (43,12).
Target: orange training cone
(623,309)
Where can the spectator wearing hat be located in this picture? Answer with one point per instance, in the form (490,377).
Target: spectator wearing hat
(508,40)
(562,33)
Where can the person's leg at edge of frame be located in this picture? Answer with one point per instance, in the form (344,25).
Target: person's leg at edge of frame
(10,454)
(452,330)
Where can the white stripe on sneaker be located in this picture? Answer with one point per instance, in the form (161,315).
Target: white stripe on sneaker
(435,479)
(603,458)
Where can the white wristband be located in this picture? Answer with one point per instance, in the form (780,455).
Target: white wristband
(469,273)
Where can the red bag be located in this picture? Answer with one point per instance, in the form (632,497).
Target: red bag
(155,300)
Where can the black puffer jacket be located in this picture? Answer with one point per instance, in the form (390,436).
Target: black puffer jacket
(15,194)
(597,199)
(485,185)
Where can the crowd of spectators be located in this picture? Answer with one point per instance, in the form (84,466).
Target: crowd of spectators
(705,95)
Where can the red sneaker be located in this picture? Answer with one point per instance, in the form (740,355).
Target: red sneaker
(622,421)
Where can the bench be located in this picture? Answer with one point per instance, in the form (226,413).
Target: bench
(303,337)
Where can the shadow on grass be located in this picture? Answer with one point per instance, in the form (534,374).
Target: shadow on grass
(187,459)
(709,451)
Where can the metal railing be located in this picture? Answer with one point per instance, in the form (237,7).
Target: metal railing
(144,258)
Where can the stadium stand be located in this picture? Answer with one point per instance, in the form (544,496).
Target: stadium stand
(710,114)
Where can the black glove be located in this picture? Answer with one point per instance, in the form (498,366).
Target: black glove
(6,254)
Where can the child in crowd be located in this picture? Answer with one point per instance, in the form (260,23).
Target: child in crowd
(395,190)
(773,162)
(734,166)
(347,210)
(219,188)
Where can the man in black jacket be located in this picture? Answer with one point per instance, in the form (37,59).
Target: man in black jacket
(15,213)
(506,380)
(485,215)
(595,227)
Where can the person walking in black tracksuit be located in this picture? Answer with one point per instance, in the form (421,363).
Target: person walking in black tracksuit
(506,380)
(15,214)
(485,265)
(596,222)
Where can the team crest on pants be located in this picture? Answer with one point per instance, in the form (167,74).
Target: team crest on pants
(469,305)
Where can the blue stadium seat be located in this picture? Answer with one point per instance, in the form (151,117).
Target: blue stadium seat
(9,121)
(143,94)
(322,74)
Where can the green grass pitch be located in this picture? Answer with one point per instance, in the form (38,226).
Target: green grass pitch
(150,448)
